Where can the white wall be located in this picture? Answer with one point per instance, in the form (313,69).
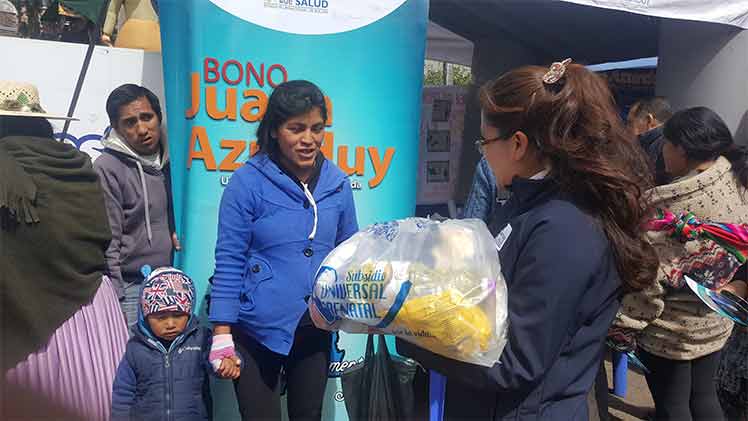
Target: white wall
(54,67)
(705,64)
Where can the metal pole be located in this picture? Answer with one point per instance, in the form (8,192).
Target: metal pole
(93,36)
(81,78)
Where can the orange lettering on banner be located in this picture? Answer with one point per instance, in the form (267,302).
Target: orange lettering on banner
(380,167)
(230,162)
(195,90)
(351,160)
(328,105)
(358,168)
(327,144)
(260,104)
(199,135)
(211,107)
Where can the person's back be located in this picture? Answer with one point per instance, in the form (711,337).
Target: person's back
(164,373)
(678,338)
(46,241)
(53,235)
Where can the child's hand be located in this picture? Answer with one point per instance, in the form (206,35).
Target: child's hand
(230,368)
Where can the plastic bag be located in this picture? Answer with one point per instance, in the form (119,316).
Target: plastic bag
(435,284)
(382,387)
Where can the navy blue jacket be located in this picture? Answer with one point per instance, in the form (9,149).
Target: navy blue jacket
(153,383)
(265,259)
(652,143)
(563,294)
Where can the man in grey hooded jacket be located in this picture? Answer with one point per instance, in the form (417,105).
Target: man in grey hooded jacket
(134,173)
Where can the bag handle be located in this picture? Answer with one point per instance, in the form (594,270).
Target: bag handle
(382,347)
(369,348)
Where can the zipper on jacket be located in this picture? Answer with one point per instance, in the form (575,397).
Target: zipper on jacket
(170,372)
(167,364)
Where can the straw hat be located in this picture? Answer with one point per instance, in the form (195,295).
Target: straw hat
(22,100)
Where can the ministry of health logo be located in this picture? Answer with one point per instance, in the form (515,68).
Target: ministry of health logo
(309,6)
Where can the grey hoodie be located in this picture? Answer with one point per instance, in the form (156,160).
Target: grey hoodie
(138,202)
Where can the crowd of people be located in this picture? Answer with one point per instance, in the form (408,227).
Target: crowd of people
(97,321)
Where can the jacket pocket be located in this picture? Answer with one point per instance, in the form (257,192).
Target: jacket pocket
(258,270)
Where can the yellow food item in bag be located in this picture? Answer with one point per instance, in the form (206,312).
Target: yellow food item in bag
(451,325)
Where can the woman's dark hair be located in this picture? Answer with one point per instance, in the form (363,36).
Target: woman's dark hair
(595,160)
(289,99)
(705,137)
(126,94)
(25,126)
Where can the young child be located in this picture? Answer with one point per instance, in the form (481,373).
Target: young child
(164,373)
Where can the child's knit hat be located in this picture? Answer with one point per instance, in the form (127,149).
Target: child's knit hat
(167,289)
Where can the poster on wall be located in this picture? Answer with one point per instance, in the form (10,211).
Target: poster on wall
(443,110)
(222,59)
(631,85)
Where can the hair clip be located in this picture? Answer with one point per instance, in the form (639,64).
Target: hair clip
(556,72)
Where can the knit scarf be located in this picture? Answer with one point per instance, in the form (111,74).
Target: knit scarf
(722,248)
(53,236)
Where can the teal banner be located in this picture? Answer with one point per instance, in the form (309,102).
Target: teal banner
(222,59)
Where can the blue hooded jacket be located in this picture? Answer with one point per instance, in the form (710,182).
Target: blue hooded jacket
(158,384)
(271,240)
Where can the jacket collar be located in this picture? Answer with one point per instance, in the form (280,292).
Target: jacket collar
(313,178)
(114,142)
(143,333)
(719,172)
(526,194)
(647,138)
(328,182)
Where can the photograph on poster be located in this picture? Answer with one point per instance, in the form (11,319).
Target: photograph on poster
(441,110)
(438,141)
(437,172)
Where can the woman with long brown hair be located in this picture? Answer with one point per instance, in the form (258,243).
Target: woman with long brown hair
(569,237)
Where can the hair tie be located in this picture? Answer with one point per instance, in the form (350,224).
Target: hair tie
(556,72)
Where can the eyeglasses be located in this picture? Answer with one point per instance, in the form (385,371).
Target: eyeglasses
(481,143)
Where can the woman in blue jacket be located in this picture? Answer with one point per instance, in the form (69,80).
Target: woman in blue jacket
(280,215)
(569,240)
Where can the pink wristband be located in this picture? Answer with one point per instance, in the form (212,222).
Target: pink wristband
(222,347)
(222,353)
